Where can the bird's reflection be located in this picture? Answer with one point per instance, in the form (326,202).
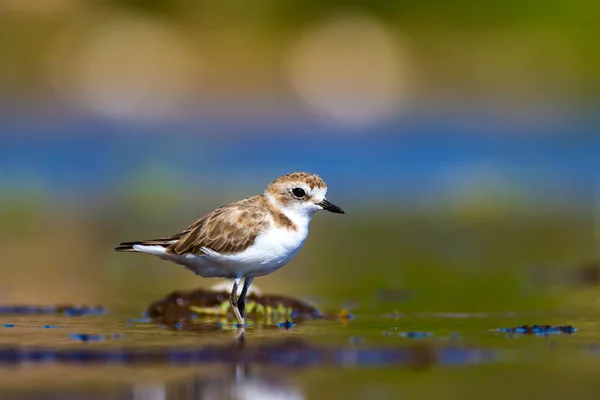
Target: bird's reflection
(240,381)
(256,368)
(236,381)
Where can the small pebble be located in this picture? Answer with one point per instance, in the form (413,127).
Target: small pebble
(539,329)
(287,324)
(77,311)
(415,335)
(86,337)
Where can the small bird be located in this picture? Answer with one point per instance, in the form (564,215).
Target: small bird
(251,237)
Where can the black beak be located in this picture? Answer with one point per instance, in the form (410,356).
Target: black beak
(331,207)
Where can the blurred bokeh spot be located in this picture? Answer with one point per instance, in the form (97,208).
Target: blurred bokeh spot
(128,67)
(350,69)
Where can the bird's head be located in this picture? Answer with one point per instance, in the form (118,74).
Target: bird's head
(300,193)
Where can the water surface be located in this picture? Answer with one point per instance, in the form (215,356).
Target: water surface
(424,355)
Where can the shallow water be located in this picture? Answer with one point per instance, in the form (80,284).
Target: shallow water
(120,355)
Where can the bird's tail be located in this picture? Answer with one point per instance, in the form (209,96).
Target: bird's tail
(129,246)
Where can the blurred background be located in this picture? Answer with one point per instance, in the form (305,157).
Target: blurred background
(460,137)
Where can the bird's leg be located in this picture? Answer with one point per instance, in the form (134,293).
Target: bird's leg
(242,299)
(234,304)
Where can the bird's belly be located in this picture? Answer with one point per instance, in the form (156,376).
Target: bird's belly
(270,263)
(269,252)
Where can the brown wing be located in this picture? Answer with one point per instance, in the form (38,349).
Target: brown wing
(228,229)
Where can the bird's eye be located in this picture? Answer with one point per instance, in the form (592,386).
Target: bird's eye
(298,192)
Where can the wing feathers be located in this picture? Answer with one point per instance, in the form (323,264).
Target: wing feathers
(228,229)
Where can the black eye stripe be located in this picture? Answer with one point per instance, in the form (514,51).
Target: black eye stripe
(298,192)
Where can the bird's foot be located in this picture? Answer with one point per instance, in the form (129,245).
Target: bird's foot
(241,323)
(240,332)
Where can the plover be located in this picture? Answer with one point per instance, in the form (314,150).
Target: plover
(251,237)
